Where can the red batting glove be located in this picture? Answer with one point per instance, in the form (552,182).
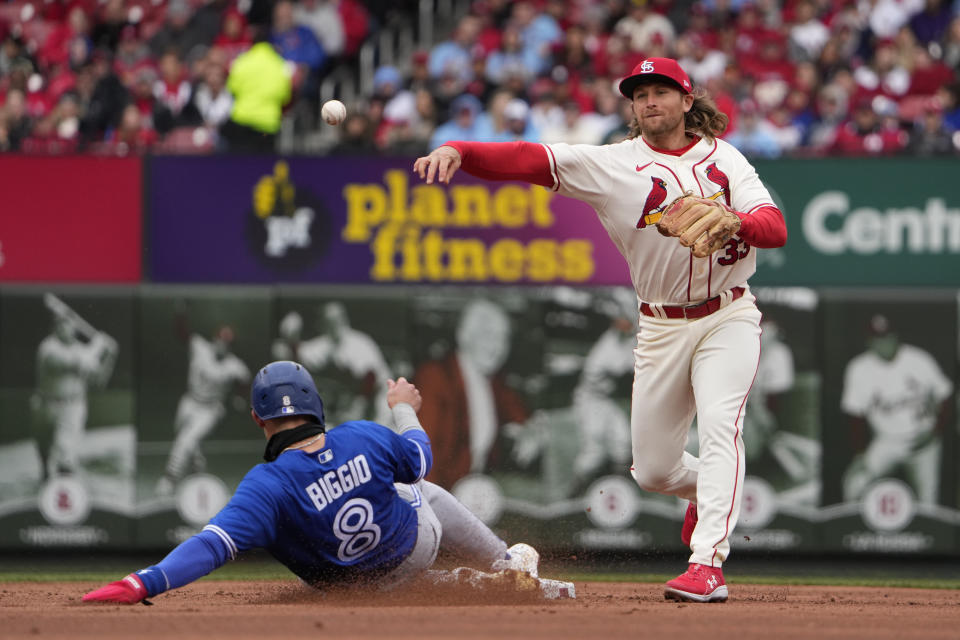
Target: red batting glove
(130,590)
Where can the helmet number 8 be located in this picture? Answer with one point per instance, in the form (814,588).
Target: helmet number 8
(354,527)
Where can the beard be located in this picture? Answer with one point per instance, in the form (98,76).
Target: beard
(661,125)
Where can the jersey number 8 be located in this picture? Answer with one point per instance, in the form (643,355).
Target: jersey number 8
(356,530)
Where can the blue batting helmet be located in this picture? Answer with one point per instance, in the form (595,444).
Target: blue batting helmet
(282,389)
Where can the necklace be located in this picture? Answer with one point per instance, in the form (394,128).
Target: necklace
(305,444)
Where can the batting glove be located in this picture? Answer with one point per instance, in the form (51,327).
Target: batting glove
(130,590)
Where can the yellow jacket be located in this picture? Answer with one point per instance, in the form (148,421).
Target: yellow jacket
(260,83)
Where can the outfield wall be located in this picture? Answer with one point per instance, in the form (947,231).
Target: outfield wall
(161,254)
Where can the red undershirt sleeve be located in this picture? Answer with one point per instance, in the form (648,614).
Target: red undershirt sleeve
(764,228)
(526,161)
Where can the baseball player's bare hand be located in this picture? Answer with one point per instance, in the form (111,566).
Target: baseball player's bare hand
(441,164)
(403,391)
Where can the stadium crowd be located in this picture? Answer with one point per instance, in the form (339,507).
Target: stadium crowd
(799,77)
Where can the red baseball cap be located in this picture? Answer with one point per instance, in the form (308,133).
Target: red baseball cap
(662,68)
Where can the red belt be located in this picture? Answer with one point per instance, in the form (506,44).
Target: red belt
(692,311)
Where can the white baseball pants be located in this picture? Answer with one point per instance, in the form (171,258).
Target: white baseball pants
(703,367)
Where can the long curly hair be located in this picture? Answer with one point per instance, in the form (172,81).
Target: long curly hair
(704,118)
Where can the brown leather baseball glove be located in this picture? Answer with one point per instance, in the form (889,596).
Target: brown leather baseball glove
(702,224)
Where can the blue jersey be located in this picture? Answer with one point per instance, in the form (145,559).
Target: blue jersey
(329,516)
(335,513)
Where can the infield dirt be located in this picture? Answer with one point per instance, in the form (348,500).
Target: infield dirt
(606,610)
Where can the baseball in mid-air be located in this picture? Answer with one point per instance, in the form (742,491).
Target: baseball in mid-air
(333,112)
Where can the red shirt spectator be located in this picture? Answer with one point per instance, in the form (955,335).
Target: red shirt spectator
(356,25)
(864,134)
(234,36)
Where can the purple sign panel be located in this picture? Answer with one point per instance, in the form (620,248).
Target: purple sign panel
(364,220)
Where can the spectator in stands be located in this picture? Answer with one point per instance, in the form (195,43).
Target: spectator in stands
(573,55)
(831,110)
(356,25)
(539,33)
(411,124)
(132,52)
(454,57)
(641,26)
(261,87)
(132,135)
(298,45)
(172,91)
(931,24)
(58,131)
(234,37)
(949,98)
(17,124)
(462,123)
(884,74)
(356,136)
(885,17)
(807,33)
(784,129)
(210,102)
(700,62)
(927,74)
(111,22)
(69,43)
(570,129)
(930,135)
(323,18)
(864,134)
(109,97)
(184,30)
(951,45)
(753,137)
(511,58)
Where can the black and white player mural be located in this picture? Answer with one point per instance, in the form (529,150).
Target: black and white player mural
(891,448)
(347,361)
(198,346)
(781,426)
(67,436)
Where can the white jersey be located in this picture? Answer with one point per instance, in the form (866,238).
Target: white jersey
(64,370)
(355,352)
(629,184)
(899,397)
(210,378)
(610,358)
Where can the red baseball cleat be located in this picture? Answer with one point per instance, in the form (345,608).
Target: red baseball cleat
(689,522)
(699,584)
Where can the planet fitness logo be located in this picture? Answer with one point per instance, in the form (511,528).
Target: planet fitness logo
(287,228)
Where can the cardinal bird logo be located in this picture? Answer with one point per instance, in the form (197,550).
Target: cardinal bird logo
(719,178)
(654,199)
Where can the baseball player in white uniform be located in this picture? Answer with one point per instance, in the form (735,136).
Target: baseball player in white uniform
(901,393)
(699,339)
(211,375)
(603,426)
(346,348)
(66,368)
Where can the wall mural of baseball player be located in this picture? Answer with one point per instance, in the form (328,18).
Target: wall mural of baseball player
(197,343)
(477,421)
(67,379)
(342,357)
(73,359)
(213,374)
(699,340)
(782,426)
(890,444)
(898,401)
(603,424)
(361,514)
